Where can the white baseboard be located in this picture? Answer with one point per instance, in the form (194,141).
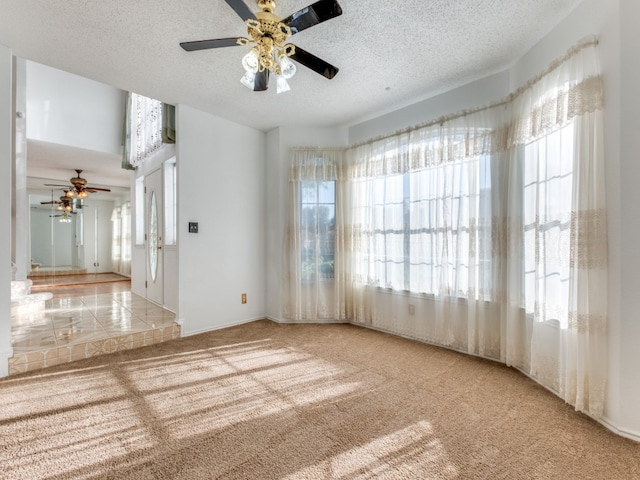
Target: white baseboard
(216,327)
(623,432)
(288,321)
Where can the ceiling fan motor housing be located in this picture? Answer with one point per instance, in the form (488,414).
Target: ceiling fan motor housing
(269,34)
(267,5)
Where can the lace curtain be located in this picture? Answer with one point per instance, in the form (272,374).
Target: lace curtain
(121,239)
(143,129)
(555,313)
(484,231)
(313,286)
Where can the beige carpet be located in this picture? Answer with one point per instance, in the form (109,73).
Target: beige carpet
(267,401)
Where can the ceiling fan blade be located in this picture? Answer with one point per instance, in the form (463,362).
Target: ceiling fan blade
(53,202)
(262,81)
(316,64)
(206,44)
(96,189)
(241,9)
(314,14)
(54,185)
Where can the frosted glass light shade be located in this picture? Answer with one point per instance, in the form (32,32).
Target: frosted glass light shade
(250,61)
(249,80)
(287,67)
(283,86)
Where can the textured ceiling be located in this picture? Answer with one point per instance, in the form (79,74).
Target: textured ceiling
(390,54)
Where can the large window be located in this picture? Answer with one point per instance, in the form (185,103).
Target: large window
(430,229)
(317,229)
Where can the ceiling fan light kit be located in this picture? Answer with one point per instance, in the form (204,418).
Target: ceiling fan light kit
(268,33)
(78,189)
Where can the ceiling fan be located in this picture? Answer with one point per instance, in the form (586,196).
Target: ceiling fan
(268,34)
(79,187)
(64,216)
(65,203)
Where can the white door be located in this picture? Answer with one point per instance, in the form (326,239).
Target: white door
(154,229)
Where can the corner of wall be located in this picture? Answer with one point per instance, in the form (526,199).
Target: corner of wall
(4,363)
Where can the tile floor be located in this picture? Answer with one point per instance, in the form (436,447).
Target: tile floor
(65,329)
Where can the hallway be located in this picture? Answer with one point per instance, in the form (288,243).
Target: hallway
(83,321)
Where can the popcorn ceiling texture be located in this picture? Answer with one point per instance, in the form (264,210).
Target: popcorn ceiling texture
(389,53)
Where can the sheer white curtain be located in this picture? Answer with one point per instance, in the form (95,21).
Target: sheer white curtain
(116,236)
(419,216)
(143,127)
(121,239)
(125,219)
(556,315)
(313,287)
(484,231)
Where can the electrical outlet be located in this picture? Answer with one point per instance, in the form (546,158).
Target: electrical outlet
(193,227)
(412,309)
(244,298)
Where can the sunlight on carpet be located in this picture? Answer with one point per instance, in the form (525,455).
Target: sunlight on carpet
(415,444)
(249,381)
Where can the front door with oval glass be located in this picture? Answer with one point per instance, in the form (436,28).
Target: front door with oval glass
(154,254)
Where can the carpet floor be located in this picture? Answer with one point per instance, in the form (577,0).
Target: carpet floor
(268,401)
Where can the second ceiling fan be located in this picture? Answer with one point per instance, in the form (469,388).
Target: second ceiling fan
(268,33)
(79,187)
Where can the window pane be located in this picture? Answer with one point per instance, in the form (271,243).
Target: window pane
(317,229)
(547,204)
(326,192)
(309,192)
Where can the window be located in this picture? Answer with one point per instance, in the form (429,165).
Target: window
(430,229)
(139,196)
(547,204)
(143,128)
(317,229)
(170,205)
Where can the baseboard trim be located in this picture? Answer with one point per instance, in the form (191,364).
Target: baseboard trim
(309,322)
(623,432)
(217,327)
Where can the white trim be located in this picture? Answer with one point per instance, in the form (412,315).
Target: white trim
(607,423)
(217,327)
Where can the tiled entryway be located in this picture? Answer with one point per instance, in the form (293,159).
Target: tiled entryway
(77,327)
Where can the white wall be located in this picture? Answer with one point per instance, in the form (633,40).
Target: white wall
(477,93)
(279,142)
(20,207)
(629,233)
(221,185)
(70,110)
(6,133)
